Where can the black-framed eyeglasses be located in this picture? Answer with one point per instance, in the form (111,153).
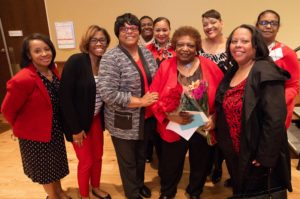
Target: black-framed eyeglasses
(101,41)
(126,29)
(271,23)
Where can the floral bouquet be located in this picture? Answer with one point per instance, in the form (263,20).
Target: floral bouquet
(197,91)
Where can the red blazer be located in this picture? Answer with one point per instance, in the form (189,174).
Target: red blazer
(166,78)
(27,106)
(287,59)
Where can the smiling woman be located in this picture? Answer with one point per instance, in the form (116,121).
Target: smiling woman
(268,22)
(125,74)
(161,47)
(213,46)
(198,77)
(81,106)
(255,147)
(32,109)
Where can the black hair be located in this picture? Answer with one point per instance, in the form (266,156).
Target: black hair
(268,11)
(158,19)
(25,58)
(262,51)
(146,17)
(128,18)
(212,14)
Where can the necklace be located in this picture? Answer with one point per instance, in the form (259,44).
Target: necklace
(47,74)
(189,68)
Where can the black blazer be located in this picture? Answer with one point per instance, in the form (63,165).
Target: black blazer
(263,133)
(77,95)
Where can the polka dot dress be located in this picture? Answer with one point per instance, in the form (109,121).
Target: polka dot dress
(46,162)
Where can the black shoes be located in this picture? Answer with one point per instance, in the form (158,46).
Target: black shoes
(216,176)
(149,159)
(194,197)
(97,196)
(145,192)
(228,183)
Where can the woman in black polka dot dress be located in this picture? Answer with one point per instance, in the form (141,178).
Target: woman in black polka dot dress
(31,106)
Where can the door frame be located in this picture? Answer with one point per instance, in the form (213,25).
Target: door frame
(6,48)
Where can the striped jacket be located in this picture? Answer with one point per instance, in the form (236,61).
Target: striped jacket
(119,80)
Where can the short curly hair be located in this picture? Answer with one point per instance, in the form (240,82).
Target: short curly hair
(128,18)
(187,31)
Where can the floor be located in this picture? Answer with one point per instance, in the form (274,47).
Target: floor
(15,185)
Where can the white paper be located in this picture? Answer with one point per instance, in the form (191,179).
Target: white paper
(187,133)
(276,54)
(65,34)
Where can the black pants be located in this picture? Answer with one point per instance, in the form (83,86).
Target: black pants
(172,163)
(154,142)
(131,161)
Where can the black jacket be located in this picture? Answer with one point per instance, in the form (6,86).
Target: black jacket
(263,134)
(77,95)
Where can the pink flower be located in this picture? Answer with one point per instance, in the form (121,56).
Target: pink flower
(198,92)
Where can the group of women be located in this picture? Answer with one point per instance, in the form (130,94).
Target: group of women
(136,91)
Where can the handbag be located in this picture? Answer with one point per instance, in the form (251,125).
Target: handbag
(271,193)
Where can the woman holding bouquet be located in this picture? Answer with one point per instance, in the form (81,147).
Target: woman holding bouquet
(186,82)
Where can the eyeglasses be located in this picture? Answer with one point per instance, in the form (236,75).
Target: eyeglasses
(125,29)
(271,23)
(188,45)
(101,41)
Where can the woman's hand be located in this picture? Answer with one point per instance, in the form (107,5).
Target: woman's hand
(78,138)
(149,98)
(210,125)
(180,117)
(255,163)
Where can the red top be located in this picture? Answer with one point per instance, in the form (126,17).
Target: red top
(166,78)
(148,112)
(233,105)
(287,59)
(27,106)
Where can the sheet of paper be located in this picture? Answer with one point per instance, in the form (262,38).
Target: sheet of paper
(199,119)
(65,34)
(187,131)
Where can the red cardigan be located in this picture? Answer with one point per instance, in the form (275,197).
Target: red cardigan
(287,59)
(166,77)
(27,106)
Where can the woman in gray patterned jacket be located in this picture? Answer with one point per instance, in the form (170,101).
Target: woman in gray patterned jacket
(125,74)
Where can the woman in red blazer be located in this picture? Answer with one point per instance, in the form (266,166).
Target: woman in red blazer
(31,107)
(198,78)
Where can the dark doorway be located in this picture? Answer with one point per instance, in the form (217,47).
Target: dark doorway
(19,18)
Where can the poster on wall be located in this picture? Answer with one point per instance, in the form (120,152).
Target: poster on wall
(65,34)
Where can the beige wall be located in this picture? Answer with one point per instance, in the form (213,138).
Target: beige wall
(180,12)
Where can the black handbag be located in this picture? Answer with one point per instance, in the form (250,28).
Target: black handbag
(271,193)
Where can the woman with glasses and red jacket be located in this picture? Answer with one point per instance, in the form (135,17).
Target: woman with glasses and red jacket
(268,22)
